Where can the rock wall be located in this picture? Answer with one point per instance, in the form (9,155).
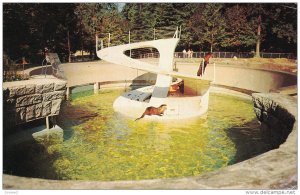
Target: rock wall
(276,112)
(24,101)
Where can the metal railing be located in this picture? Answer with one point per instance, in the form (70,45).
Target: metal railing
(103,40)
(222,55)
(106,41)
(233,54)
(149,55)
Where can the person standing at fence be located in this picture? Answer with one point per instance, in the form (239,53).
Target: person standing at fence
(189,53)
(184,53)
(203,66)
(192,53)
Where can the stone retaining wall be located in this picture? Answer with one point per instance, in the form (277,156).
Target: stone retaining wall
(24,101)
(276,113)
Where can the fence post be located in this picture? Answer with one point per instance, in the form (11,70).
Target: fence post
(108,40)
(101,43)
(202,64)
(96,87)
(68,93)
(96,42)
(47,123)
(129,43)
(214,73)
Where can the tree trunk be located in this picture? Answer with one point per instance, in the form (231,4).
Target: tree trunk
(258,41)
(211,43)
(69,46)
(212,39)
(96,40)
(81,38)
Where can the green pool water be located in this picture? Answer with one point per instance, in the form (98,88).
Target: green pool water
(100,144)
(107,146)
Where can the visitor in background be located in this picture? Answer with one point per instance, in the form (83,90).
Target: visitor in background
(189,53)
(206,61)
(184,53)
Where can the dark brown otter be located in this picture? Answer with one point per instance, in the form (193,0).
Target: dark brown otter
(154,111)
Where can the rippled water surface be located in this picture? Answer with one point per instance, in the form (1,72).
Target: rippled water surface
(100,144)
(104,145)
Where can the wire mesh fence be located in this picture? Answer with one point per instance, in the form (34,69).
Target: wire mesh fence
(110,39)
(223,55)
(233,54)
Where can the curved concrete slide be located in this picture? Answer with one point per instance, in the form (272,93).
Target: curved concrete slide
(164,70)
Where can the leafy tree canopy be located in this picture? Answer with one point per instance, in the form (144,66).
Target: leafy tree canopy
(66,27)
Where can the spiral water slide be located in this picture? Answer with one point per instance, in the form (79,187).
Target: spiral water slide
(159,92)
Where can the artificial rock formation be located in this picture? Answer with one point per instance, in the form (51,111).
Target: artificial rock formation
(24,101)
(277,114)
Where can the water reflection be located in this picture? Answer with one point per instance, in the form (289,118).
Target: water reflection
(103,145)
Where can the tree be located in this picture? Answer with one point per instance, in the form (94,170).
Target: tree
(275,25)
(259,19)
(149,20)
(132,15)
(284,26)
(208,25)
(167,20)
(145,17)
(65,27)
(30,27)
(16,34)
(238,31)
(141,20)
(95,19)
(185,11)
(286,22)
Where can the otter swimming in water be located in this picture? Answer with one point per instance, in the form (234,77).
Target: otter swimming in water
(154,111)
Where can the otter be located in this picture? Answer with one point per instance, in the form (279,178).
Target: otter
(154,111)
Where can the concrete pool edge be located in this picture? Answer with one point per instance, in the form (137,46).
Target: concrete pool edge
(264,171)
(250,78)
(254,173)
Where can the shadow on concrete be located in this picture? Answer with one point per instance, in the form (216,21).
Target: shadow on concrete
(143,80)
(41,71)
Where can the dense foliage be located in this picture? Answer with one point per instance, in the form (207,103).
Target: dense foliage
(66,27)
